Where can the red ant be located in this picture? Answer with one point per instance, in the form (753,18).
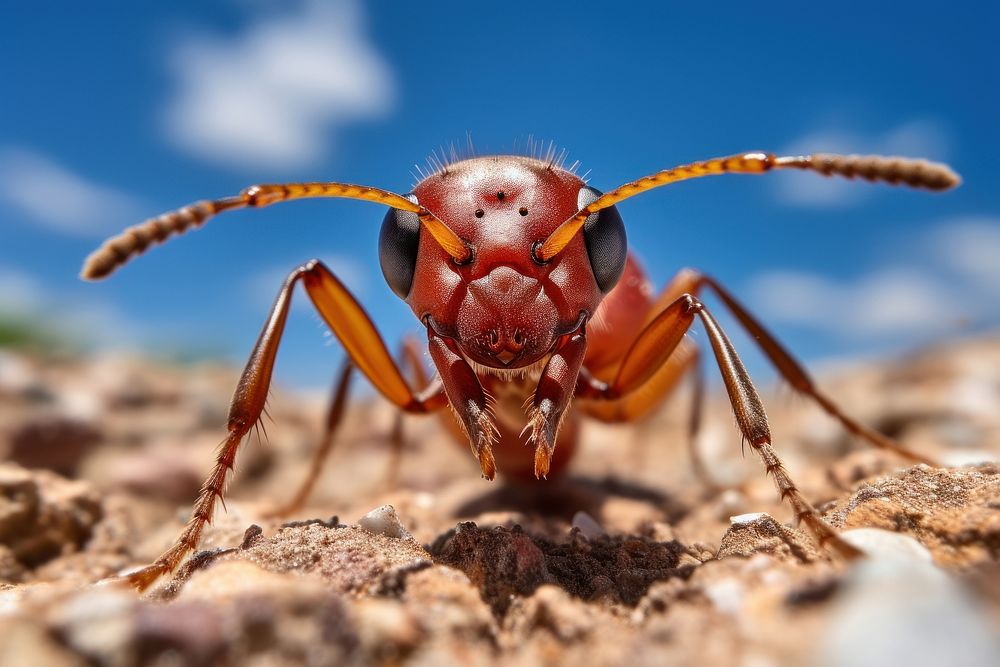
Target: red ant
(514,266)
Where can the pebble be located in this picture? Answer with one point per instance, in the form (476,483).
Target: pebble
(898,608)
(726,594)
(587,525)
(742,519)
(383,521)
(97,622)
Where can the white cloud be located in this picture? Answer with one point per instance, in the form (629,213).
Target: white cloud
(917,138)
(53,196)
(971,249)
(881,304)
(950,278)
(275,94)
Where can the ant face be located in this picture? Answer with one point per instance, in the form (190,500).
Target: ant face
(504,308)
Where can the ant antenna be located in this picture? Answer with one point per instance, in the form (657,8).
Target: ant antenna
(893,170)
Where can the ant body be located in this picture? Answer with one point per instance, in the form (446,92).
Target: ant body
(514,266)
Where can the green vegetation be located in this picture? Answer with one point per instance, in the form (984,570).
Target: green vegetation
(23,333)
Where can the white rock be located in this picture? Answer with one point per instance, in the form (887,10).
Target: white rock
(741,519)
(383,521)
(885,545)
(99,621)
(587,525)
(967,457)
(898,608)
(726,594)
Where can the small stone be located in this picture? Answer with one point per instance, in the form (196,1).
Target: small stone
(587,525)
(43,515)
(884,544)
(383,521)
(55,442)
(897,608)
(726,594)
(760,532)
(155,472)
(968,457)
(99,622)
(194,631)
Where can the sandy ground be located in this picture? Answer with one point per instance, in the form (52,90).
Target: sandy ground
(629,559)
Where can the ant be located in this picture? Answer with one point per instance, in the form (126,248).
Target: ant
(514,266)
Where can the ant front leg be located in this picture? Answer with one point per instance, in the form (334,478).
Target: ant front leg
(471,403)
(552,396)
(365,350)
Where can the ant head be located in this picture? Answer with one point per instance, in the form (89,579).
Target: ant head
(505,305)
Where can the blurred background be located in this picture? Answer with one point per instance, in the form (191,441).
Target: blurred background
(114,112)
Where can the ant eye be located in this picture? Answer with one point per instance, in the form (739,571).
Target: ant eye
(398,242)
(523,211)
(604,234)
(480,212)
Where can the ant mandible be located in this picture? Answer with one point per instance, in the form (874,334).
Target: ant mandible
(513,265)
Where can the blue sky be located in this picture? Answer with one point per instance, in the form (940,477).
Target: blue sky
(113,112)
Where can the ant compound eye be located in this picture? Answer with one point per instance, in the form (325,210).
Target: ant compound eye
(604,235)
(397,248)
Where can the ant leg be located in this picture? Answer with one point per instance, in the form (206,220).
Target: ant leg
(693,282)
(657,343)
(470,402)
(667,376)
(552,396)
(334,416)
(796,375)
(366,351)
